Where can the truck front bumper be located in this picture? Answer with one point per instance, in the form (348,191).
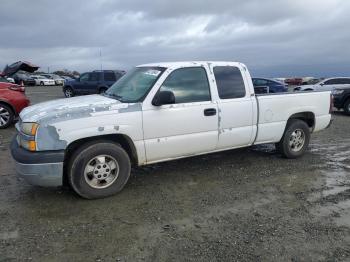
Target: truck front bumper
(43,168)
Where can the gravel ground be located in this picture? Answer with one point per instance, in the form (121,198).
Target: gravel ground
(240,205)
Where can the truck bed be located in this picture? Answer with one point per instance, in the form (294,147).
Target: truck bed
(275,109)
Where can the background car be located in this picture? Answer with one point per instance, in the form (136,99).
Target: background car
(12,102)
(67,78)
(22,77)
(328,84)
(58,80)
(294,81)
(10,79)
(341,99)
(43,81)
(265,85)
(95,82)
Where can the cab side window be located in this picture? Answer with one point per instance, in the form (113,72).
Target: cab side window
(229,82)
(188,85)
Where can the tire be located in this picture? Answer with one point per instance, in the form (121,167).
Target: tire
(6,116)
(68,92)
(347,107)
(298,131)
(41,83)
(102,90)
(99,169)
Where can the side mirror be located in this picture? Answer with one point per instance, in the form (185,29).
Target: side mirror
(163,98)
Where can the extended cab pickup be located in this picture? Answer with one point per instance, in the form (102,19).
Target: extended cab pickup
(159,112)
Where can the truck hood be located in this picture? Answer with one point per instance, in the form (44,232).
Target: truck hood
(73,108)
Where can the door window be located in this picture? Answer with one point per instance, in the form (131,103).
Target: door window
(84,77)
(188,85)
(229,81)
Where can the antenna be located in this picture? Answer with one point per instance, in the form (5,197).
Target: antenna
(101,58)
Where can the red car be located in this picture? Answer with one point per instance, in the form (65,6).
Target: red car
(12,101)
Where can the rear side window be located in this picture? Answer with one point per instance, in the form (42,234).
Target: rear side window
(229,81)
(259,82)
(335,81)
(110,76)
(188,85)
(345,81)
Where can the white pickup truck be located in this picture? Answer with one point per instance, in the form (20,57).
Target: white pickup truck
(159,112)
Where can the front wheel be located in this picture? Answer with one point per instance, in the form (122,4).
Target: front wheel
(99,169)
(6,116)
(41,83)
(68,92)
(295,139)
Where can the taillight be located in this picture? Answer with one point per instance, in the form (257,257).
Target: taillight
(331,104)
(17,88)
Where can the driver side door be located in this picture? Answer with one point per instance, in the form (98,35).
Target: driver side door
(187,127)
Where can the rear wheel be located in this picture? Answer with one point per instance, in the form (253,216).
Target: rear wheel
(102,90)
(295,139)
(68,92)
(6,116)
(347,107)
(99,169)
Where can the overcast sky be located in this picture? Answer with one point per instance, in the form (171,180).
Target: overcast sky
(272,37)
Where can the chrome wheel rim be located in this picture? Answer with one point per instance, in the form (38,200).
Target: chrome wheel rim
(4,116)
(297,140)
(68,93)
(101,171)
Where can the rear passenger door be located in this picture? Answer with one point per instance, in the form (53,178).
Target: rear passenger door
(93,83)
(236,108)
(109,78)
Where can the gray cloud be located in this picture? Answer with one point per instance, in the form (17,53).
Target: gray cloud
(274,38)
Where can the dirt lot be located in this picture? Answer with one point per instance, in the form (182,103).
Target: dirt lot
(240,205)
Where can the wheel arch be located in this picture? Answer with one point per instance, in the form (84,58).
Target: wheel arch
(102,87)
(125,142)
(10,106)
(308,117)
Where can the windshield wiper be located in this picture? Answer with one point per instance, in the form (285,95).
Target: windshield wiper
(119,98)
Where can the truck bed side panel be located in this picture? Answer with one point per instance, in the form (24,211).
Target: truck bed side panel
(275,110)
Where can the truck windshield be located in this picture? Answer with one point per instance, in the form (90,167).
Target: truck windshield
(135,85)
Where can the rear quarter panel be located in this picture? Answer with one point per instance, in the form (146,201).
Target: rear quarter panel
(275,110)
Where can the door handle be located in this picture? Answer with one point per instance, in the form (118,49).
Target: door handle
(210,112)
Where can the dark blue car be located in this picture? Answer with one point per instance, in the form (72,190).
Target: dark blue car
(265,85)
(95,82)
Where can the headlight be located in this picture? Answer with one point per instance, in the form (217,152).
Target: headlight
(29,128)
(27,136)
(337,92)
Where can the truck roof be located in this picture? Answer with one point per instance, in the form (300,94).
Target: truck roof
(185,63)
